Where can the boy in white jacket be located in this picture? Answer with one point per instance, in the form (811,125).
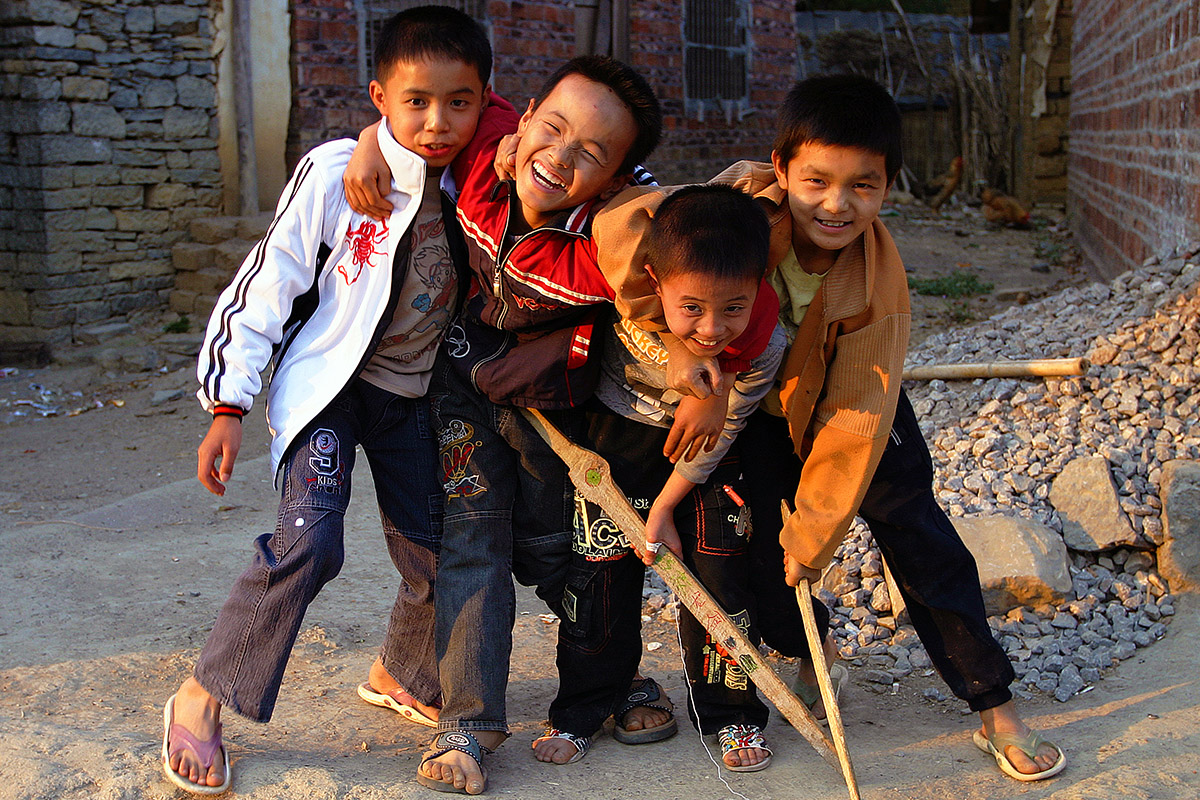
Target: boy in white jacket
(349,312)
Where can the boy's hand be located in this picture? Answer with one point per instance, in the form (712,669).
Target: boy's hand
(223,440)
(698,425)
(660,527)
(794,571)
(368,179)
(506,157)
(688,373)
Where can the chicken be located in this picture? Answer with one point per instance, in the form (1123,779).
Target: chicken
(1004,210)
(944,185)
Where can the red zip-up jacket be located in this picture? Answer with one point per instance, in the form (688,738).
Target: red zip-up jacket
(525,337)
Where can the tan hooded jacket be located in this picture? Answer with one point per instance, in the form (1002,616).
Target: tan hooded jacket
(840,379)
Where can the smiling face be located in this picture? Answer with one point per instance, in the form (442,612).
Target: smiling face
(571,148)
(705,312)
(834,193)
(432,106)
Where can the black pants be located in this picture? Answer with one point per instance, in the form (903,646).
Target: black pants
(934,570)
(719,552)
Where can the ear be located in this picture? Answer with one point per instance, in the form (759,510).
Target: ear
(375,90)
(525,119)
(654,284)
(487,96)
(614,187)
(780,169)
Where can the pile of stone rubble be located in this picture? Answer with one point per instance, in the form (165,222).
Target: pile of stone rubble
(998,446)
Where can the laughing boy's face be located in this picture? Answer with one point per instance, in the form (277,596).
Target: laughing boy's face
(571,148)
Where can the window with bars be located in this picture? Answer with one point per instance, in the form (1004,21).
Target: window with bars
(716,55)
(373,13)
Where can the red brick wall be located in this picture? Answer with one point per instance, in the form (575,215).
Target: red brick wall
(531,39)
(1134,173)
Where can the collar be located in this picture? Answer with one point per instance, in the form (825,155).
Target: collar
(577,220)
(408,168)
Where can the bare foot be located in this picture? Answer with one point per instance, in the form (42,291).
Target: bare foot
(1005,719)
(381,681)
(744,757)
(459,769)
(200,713)
(640,718)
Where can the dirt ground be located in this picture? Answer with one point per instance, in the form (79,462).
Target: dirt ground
(114,561)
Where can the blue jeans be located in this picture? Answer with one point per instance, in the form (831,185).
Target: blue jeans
(509,510)
(242,662)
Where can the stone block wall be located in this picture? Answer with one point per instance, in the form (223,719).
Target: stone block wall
(1134,171)
(108,150)
(531,39)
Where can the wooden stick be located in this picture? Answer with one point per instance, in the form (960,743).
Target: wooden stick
(592,477)
(1042,367)
(816,651)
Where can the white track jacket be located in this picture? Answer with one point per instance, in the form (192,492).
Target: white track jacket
(314,296)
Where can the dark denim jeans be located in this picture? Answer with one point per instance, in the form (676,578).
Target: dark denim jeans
(935,571)
(509,509)
(242,662)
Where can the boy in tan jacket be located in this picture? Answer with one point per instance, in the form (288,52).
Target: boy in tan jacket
(839,437)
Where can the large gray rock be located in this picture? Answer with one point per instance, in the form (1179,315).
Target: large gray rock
(1085,498)
(1179,556)
(1021,561)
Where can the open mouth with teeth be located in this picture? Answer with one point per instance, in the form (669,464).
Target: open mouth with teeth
(707,344)
(832,224)
(547,181)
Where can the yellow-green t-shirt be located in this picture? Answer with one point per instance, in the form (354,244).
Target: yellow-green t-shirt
(796,290)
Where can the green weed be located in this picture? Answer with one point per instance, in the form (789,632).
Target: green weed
(954,285)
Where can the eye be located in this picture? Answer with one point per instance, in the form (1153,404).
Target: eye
(552,127)
(867,186)
(417,102)
(459,103)
(735,309)
(595,159)
(814,181)
(691,308)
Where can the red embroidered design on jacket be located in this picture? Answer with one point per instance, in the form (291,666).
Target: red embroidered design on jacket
(362,242)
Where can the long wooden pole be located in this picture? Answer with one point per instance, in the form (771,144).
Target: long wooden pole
(592,477)
(1042,367)
(816,651)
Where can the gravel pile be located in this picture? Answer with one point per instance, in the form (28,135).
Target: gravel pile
(997,445)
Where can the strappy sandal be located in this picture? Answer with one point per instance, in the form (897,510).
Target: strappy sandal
(582,744)
(1028,745)
(645,692)
(463,742)
(743,737)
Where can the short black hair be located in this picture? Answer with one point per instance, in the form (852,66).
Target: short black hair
(712,229)
(632,89)
(426,32)
(843,111)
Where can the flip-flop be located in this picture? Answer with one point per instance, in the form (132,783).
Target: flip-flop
(1028,745)
(206,751)
(743,737)
(582,743)
(645,692)
(810,694)
(463,742)
(397,700)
